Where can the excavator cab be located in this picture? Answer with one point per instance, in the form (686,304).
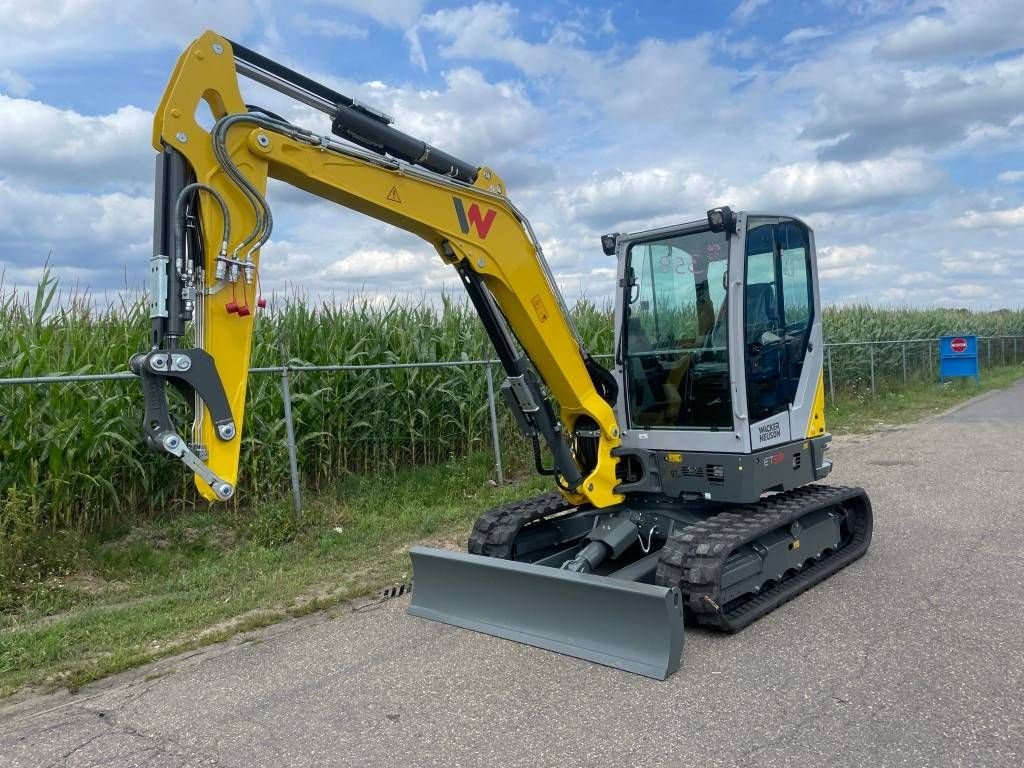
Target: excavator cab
(720,337)
(719,347)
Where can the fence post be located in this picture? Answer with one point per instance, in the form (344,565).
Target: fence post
(1002,350)
(989,345)
(831,381)
(931,370)
(904,346)
(871,357)
(494,425)
(1014,350)
(289,426)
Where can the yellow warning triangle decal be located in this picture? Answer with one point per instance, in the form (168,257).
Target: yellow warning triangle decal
(393,195)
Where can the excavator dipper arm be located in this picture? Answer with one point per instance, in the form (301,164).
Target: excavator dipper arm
(212,220)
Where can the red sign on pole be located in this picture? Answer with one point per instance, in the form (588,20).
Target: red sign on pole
(958,345)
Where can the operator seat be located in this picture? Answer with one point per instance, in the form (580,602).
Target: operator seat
(649,412)
(762,315)
(764,358)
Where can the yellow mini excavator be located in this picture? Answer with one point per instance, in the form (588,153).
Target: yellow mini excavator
(685,473)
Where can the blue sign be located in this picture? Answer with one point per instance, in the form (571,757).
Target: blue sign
(958,356)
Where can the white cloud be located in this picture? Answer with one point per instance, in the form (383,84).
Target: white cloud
(92,238)
(504,135)
(402,14)
(60,148)
(803,34)
(1011,177)
(395,13)
(452,119)
(365,271)
(484,31)
(676,74)
(596,285)
(974,262)
(607,24)
(329,28)
(416,54)
(639,197)
(659,195)
(867,8)
(575,251)
(377,263)
(851,263)
(957,28)
(42,34)
(820,186)
(1011,217)
(915,278)
(13,83)
(894,295)
(835,256)
(893,108)
(746,10)
(969,290)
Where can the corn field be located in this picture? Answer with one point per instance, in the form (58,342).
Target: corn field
(74,449)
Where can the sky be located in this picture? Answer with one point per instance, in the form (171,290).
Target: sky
(896,129)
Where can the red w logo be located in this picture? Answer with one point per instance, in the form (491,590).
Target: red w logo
(473,218)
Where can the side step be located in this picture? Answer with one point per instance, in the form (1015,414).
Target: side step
(627,625)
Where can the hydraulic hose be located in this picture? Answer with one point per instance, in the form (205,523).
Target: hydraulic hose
(179,216)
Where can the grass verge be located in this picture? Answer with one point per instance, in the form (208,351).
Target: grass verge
(177,584)
(136,594)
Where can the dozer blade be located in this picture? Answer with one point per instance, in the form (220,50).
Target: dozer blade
(623,624)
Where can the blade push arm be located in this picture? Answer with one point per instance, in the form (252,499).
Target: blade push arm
(206,271)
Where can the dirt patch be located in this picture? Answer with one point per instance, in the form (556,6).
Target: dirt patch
(221,538)
(88,583)
(452,542)
(139,534)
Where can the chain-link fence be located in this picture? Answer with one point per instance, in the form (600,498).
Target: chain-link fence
(875,365)
(467,389)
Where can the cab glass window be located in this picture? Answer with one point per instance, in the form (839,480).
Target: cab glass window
(676,334)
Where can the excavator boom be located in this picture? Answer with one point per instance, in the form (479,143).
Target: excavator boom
(205,267)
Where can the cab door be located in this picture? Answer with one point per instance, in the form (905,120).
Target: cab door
(781,330)
(674,355)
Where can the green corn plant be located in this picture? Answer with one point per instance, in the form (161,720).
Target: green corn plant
(72,452)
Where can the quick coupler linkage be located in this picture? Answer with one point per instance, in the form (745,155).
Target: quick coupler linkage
(193,373)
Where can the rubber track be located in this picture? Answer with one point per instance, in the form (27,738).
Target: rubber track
(495,532)
(694,559)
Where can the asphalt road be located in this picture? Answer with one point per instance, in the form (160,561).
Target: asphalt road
(913,656)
